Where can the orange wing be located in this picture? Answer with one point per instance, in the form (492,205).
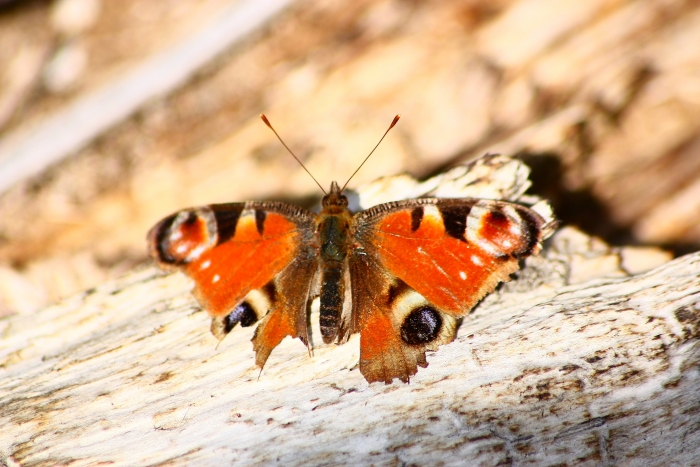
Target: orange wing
(449,253)
(234,253)
(397,325)
(452,251)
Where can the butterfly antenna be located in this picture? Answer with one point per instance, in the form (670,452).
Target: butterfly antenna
(267,122)
(393,122)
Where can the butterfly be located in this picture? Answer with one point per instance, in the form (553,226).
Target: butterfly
(401,273)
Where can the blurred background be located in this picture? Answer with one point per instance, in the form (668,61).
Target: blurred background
(115,113)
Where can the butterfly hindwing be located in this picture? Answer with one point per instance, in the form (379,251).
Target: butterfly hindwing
(396,324)
(289,307)
(246,259)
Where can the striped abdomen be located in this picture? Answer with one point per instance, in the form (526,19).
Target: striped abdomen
(333,237)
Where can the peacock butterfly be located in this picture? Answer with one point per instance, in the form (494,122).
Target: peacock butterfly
(400,273)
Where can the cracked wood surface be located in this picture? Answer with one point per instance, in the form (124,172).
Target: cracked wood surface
(600,96)
(577,362)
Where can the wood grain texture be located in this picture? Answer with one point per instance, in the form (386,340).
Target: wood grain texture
(575,362)
(578,362)
(608,90)
(601,97)
(603,372)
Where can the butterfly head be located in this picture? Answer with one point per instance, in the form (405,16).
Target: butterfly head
(335,200)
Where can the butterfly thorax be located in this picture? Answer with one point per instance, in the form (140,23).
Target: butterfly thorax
(332,225)
(332,230)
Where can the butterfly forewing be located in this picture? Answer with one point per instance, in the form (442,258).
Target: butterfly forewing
(451,251)
(232,249)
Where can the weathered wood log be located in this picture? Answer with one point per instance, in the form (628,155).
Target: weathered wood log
(602,95)
(598,373)
(575,362)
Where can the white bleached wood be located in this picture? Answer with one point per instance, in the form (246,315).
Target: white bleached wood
(603,372)
(573,363)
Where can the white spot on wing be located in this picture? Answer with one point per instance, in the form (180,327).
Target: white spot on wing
(194,254)
(205,264)
(463,275)
(181,248)
(175,235)
(507,243)
(476,260)
(515,220)
(475,222)
(247,215)
(215,279)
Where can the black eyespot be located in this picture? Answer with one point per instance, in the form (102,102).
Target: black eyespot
(160,234)
(243,313)
(421,326)
(163,231)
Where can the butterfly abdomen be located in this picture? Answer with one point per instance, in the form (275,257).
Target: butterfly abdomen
(332,297)
(333,239)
